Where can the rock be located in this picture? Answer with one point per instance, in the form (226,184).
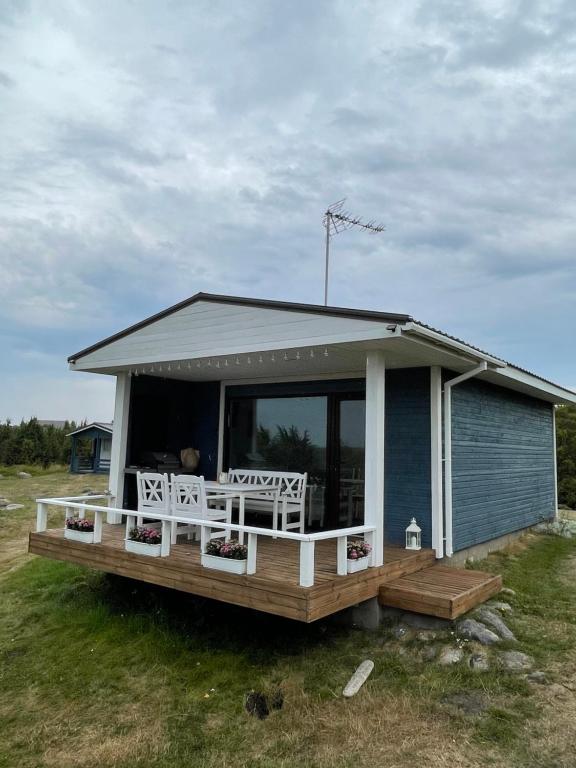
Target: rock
(400,632)
(11,507)
(563,527)
(473,630)
(358,679)
(497,605)
(479,662)
(493,620)
(257,705)
(429,653)
(23,475)
(425,637)
(420,621)
(449,656)
(4,503)
(537,677)
(508,591)
(468,702)
(515,661)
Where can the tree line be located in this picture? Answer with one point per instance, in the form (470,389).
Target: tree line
(566,454)
(32,443)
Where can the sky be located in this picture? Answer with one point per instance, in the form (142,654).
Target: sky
(150,150)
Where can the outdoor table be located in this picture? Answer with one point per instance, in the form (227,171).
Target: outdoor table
(244,491)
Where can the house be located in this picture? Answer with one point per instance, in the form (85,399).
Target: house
(390,418)
(91,448)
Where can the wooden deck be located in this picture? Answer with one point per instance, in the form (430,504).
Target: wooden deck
(407,580)
(440,591)
(273,589)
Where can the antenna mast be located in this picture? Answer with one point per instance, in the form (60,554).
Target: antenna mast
(336,219)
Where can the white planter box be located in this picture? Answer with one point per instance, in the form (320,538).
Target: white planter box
(86,536)
(360,564)
(224,564)
(139,548)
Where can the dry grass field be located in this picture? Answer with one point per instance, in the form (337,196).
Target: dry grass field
(97,672)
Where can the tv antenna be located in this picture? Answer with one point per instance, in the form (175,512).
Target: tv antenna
(335,220)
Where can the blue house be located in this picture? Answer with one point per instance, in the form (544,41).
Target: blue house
(91,448)
(390,419)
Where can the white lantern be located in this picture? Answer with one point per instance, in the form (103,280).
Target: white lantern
(413,535)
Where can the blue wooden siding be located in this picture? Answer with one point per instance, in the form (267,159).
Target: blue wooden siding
(407,478)
(502,462)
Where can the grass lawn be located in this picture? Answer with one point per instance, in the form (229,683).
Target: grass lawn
(98,671)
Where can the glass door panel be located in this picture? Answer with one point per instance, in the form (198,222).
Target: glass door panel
(350,461)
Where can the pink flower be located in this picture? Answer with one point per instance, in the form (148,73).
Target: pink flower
(353,554)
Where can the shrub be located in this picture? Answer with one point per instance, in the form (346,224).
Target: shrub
(231,549)
(79,524)
(357,549)
(145,535)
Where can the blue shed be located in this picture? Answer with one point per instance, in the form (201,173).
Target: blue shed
(91,448)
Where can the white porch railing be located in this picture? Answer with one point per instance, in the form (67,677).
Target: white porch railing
(307,540)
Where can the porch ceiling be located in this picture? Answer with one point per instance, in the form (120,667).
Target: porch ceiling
(297,362)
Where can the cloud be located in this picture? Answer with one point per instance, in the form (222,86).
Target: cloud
(153,152)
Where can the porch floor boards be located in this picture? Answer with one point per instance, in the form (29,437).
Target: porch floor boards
(440,591)
(411,581)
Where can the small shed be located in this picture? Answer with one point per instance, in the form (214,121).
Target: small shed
(91,448)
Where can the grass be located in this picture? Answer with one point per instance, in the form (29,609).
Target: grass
(100,671)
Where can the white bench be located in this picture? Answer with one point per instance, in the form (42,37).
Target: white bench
(291,496)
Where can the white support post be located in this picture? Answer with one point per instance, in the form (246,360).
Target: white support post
(41,517)
(342,565)
(437,510)
(166,537)
(119,445)
(556,513)
(97,527)
(252,551)
(375,450)
(307,563)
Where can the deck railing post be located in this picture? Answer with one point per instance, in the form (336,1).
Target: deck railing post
(97,527)
(252,549)
(166,538)
(306,563)
(342,566)
(41,517)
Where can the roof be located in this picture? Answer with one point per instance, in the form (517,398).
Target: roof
(395,319)
(105,426)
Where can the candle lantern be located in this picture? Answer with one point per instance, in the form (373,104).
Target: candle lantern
(413,535)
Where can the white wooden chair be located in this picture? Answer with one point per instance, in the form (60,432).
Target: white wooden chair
(291,496)
(153,493)
(189,499)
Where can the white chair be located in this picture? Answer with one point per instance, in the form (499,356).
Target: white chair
(291,496)
(153,494)
(189,499)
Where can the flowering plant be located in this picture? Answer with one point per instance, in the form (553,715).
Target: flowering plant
(357,549)
(79,524)
(231,549)
(145,535)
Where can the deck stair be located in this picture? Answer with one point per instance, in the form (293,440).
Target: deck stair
(440,590)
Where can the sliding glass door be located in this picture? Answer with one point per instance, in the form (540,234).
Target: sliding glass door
(322,434)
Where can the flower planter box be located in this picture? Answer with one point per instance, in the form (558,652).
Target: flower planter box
(360,564)
(228,564)
(86,536)
(140,548)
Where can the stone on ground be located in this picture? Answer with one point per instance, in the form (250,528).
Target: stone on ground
(12,507)
(4,503)
(426,636)
(23,475)
(358,678)
(400,632)
(537,677)
(429,653)
(508,591)
(449,656)
(468,702)
(479,662)
(474,630)
(494,621)
(501,607)
(515,661)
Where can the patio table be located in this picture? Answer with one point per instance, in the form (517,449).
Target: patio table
(244,491)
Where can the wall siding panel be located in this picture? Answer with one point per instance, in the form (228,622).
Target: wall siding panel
(502,462)
(408,462)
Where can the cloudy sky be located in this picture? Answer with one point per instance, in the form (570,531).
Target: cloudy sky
(150,150)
